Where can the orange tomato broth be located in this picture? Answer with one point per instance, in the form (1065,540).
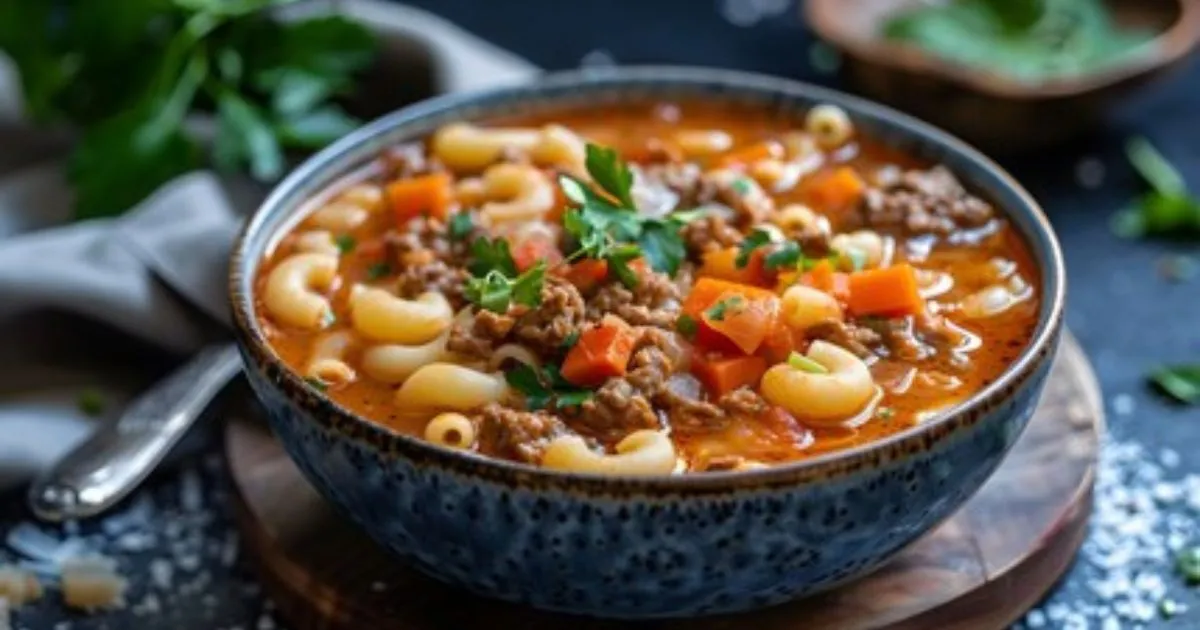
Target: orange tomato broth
(1002,337)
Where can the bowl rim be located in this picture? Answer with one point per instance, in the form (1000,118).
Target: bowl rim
(250,335)
(1170,45)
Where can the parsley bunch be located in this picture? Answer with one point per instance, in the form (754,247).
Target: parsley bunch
(128,77)
(495,283)
(1168,208)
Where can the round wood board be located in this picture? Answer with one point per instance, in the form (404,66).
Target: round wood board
(982,568)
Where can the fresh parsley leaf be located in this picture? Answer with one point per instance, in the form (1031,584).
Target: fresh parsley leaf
(527,287)
(378,270)
(570,340)
(1181,382)
(611,173)
(91,401)
(1017,15)
(805,364)
(461,226)
(489,255)
(753,241)
(1187,563)
(687,326)
(314,129)
(741,186)
(345,243)
(1163,177)
(545,387)
(683,217)
(618,264)
(1168,208)
(787,256)
(493,291)
(662,246)
(245,136)
(717,312)
(317,383)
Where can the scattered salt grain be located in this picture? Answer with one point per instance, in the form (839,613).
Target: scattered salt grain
(1123,404)
(1089,173)
(1169,457)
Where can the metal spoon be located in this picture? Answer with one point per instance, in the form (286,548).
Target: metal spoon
(106,467)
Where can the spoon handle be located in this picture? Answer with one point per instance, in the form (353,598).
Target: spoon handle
(110,464)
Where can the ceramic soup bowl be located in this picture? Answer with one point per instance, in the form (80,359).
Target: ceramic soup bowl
(640,547)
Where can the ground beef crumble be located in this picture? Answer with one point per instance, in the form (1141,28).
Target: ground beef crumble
(522,434)
(919,202)
(707,233)
(544,329)
(653,302)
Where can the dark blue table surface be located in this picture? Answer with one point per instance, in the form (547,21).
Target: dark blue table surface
(1127,316)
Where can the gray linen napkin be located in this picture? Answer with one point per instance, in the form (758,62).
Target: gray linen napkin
(158,272)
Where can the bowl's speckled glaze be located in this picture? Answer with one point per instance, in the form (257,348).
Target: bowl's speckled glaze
(651,546)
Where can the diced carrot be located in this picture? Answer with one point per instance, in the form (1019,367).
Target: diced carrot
(823,277)
(889,291)
(601,353)
(780,343)
(707,291)
(746,322)
(586,274)
(721,264)
(744,156)
(835,190)
(425,195)
(721,375)
(534,249)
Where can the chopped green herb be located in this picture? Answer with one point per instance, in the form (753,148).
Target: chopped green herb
(885,413)
(741,186)
(571,339)
(345,243)
(786,256)
(378,270)
(1168,608)
(687,216)
(489,255)
(1187,563)
(495,291)
(717,312)
(611,173)
(1168,208)
(753,241)
(317,383)
(461,226)
(1181,382)
(687,326)
(91,401)
(805,364)
(545,387)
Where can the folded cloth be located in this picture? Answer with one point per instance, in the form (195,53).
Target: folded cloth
(159,271)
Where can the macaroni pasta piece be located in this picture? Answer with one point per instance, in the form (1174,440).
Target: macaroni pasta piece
(292,290)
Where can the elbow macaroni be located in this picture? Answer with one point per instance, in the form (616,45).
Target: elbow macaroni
(518,192)
(643,452)
(316,242)
(394,363)
(804,307)
(382,316)
(327,363)
(452,430)
(449,387)
(291,292)
(560,147)
(465,147)
(821,400)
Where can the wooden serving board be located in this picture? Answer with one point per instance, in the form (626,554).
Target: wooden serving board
(982,568)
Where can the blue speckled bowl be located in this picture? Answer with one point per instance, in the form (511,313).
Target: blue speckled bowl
(652,546)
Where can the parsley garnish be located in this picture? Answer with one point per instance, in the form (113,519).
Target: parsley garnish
(717,312)
(1168,207)
(687,326)
(91,401)
(805,364)
(753,241)
(461,226)
(786,256)
(1181,382)
(741,186)
(570,340)
(378,270)
(1188,564)
(345,243)
(600,227)
(545,387)
(317,383)
(495,291)
(489,255)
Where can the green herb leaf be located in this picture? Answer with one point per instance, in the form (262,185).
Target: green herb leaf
(1018,15)
(314,129)
(805,364)
(244,136)
(618,264)
(717,312)
(527,288)
(317,383)
(345,243)
(786,256)
(611,173)
(662,246)
(570,340)
(493,291)
(461,226)
(1181,382)
(751,242)
(1187,563)
(1154,168)
(378,270)
(687,326)
(489,255)
(545,387)
(1168,608)
(91,401)
(741,186)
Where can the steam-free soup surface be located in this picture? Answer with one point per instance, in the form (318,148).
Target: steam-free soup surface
(654,289)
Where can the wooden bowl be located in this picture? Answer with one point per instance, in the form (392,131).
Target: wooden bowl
(995,112)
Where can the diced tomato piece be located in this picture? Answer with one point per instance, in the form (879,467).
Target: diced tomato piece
(600,354)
